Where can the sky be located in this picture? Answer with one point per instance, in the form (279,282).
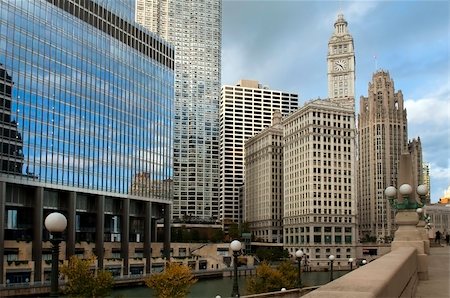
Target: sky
(283,45)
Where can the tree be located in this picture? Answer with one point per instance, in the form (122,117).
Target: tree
(289,273)
(83,282)
(175,281)
(267,279)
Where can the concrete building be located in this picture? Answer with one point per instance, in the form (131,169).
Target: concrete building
(440,219)
(427,181)
(319,182)
(87,104)
(382,139)
(415,150)
(263,204)
(245,110)
(341,65)
(194,28)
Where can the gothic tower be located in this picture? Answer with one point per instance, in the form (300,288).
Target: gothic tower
(383,137)
(341,65)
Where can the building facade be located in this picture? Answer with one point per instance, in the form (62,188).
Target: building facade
(194,28)
(382,139)
(86,106)
(341,65)
(427,181)
(263,203)
(245,110)
(319,182)
(439,218)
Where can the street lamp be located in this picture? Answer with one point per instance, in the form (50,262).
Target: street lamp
(55,223)
(299,255)
(406,191)
(350,261)
(235,246)
(364,262)
(331,258)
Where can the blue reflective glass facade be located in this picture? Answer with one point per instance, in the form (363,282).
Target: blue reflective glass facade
(90,105)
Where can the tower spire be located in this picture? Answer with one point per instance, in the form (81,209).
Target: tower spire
(340,26)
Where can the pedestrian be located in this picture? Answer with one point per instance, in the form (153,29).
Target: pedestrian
(438,237)
(447,238)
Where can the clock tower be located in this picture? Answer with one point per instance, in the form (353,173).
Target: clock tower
(341,65)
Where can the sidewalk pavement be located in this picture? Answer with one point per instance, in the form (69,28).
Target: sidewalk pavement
(438,284)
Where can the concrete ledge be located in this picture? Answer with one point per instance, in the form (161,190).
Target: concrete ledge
(392,275)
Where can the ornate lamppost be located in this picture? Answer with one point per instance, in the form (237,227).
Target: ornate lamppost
(408,217)
(235,246)
(331,258)
(55,223)
(350,262)
(299,255)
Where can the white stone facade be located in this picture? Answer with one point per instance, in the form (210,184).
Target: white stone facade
(341,65)
(319,182)
(263,203)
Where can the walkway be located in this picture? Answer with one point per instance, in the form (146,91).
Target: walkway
(439,274)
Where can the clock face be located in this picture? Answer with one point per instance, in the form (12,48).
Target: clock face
(340,65)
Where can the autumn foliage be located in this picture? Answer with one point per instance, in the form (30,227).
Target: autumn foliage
(83,282)
(270,279)
(174,282)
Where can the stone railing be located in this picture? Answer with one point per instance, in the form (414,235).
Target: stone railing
(392,275)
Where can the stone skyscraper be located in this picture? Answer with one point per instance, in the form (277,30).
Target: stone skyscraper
(319,184)
(341,65)
(194,28)
(263,204)
(383,138)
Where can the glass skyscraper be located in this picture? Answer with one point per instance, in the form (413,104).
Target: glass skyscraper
(86,112)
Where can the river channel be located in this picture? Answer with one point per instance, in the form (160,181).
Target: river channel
(210,288)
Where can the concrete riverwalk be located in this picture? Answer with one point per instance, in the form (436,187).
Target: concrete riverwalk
(438,283)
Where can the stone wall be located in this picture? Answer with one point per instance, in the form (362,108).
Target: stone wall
(392,275)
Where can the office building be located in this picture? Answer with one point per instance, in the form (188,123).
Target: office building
(382,139)
(341,65)
(427,181)
(263,203)
(319,182)
(245,110)
(86,107)
(194,28)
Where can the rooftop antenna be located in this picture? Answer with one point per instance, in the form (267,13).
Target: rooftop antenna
(375,61)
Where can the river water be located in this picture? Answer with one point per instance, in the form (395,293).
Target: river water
(210,288)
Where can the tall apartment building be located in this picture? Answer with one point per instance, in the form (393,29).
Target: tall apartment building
(245,110)
(383,138)
(194,28)
(319,182)
(341,65)
(86,105)
(263,203)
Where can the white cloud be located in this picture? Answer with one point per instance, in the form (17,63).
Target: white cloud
(429,111)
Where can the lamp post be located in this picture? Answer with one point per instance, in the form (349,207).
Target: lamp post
(364,262)
(299,255)
(55,223)
(350,261)
(331,258)
(235,246)
(405,191)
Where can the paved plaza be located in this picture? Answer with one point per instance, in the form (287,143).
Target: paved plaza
(438,284)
